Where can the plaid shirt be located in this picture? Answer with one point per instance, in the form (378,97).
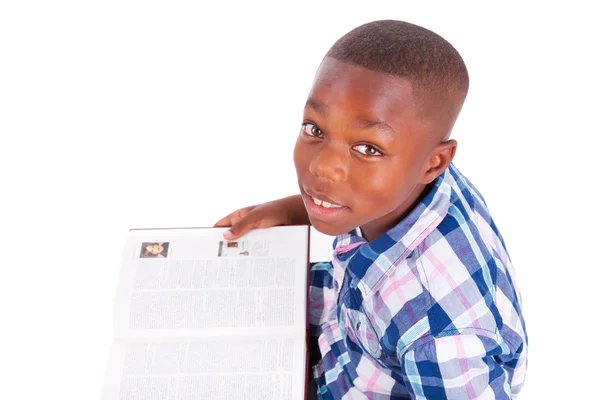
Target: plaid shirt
(429,310)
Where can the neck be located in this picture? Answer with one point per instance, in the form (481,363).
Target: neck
(372,230)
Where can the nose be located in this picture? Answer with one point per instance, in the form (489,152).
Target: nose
(330,162)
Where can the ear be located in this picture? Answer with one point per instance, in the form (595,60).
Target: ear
(438,161)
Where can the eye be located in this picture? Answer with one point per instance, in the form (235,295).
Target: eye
(311,130)
(367,150)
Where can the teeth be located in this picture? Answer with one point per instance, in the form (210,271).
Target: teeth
(324,203)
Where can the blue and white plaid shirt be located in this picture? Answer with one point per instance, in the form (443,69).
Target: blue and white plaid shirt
(429,310)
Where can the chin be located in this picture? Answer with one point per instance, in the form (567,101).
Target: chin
(327,229)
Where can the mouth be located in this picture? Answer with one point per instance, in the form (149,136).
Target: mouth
(322,207)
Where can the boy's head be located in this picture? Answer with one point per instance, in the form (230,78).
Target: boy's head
(376,126)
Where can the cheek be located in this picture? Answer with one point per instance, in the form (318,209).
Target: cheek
(385,185)
(301,158)
(378,188)
(296,155)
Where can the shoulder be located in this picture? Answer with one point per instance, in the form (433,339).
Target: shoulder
(466,239)
(454,271)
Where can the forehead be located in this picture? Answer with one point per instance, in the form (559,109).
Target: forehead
(363,92)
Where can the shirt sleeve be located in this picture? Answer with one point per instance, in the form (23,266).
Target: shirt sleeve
(321,293)
(455,367)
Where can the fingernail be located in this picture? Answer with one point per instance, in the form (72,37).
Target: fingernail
(227,234)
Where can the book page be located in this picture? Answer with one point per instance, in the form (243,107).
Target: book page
(192,283)
(265,368)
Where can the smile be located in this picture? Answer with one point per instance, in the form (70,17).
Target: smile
(324,203)
(323,209)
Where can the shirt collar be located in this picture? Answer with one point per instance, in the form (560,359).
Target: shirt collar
(368,262)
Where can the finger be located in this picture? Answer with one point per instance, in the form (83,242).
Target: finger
(242,226)
(233,218)
(223,222)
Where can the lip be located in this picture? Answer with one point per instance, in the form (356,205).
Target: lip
(322,197)
(319,212)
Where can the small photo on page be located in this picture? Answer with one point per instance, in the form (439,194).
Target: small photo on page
(255,248)
(154,250)
(234,249)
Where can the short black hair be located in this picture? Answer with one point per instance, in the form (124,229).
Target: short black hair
(432,65)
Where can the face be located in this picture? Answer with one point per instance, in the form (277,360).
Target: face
(155,249)
(362,149)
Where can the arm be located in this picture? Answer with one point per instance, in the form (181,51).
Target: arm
(459,366)
(287,211)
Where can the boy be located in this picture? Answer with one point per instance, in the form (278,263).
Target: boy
(419,300)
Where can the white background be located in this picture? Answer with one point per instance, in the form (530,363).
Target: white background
(121,114)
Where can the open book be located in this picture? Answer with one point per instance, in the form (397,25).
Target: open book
(198,317)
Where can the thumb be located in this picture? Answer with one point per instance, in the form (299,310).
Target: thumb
(241,227)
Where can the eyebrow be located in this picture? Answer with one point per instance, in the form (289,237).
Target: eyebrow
(323,109)
(367,124)
(319,107)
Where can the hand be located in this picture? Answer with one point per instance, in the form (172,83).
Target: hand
(286,211)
